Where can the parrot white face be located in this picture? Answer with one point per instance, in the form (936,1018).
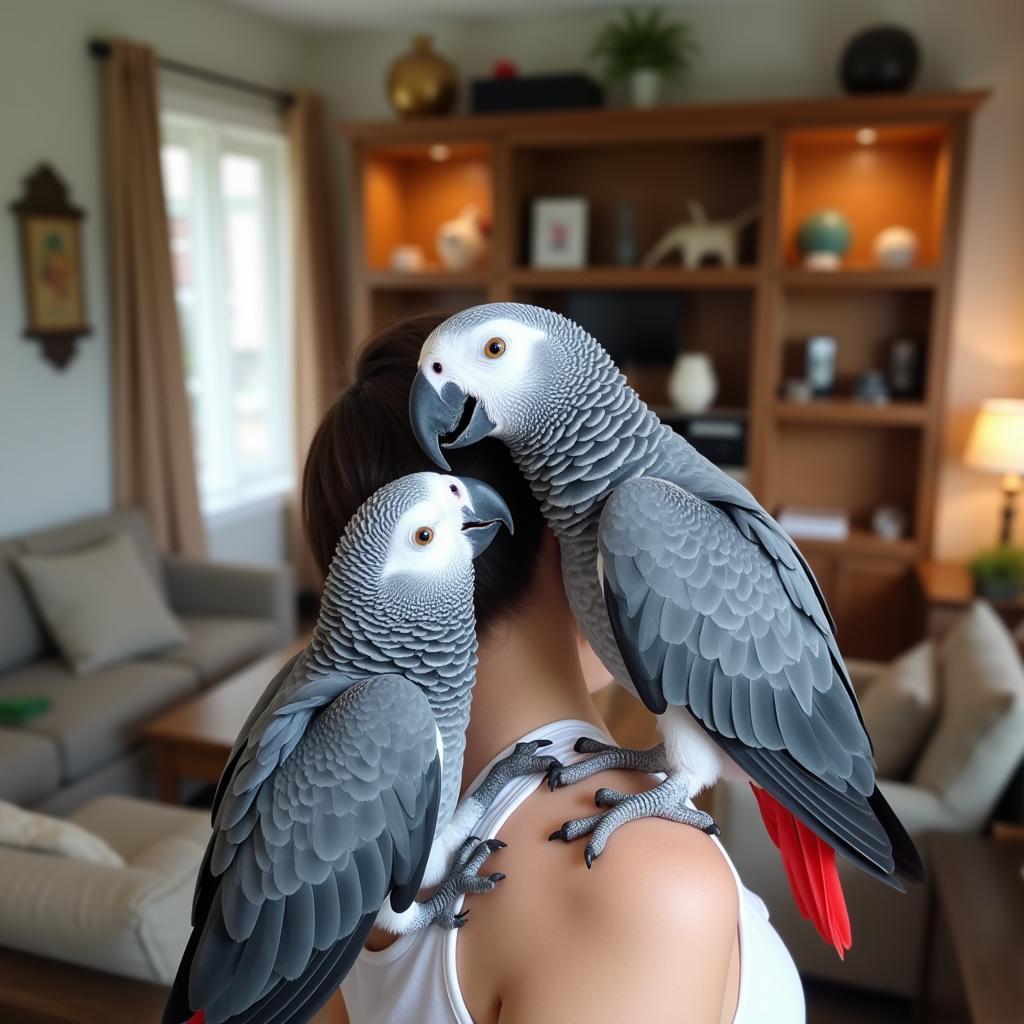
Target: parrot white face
(412,543)
(495,360)
(428,539)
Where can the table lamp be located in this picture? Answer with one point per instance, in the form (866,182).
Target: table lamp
(996,445)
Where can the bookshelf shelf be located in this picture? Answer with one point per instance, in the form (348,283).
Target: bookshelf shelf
(862,542)
(426,280)
(916,278)
(787,159)
(639,278)
(851,413)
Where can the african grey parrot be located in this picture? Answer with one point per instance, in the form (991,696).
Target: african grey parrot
(342,786)
(691,594)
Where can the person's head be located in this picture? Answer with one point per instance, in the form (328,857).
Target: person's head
(365,441)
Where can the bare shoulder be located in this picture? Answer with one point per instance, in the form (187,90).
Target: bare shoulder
(656,880)
(659,887)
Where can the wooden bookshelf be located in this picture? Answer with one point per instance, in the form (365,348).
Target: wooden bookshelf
(787,157)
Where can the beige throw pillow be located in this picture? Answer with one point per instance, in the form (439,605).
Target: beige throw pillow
(980,738)
(900,709)
(100,604)
(27,831)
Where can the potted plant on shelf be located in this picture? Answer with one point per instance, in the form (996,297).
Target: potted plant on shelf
(643,49)
(999,572)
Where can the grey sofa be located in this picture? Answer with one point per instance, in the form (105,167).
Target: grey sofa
(88,742)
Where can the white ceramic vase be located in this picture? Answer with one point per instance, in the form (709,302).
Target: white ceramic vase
(692,385)
(645,87)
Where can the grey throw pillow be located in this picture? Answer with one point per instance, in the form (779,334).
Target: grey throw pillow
(100,604)
(900,709)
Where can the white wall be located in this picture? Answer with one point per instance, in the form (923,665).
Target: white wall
(777,48)
(55,426)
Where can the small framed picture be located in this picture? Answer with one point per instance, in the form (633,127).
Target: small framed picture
(558,233)
(51,255)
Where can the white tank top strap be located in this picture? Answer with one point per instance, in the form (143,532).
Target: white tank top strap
(415,979)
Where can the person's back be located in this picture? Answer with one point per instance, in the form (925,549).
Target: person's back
(654,931)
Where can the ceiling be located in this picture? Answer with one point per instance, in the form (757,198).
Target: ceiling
(399,13)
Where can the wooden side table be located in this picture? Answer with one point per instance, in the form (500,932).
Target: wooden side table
(978,890)
(947,591)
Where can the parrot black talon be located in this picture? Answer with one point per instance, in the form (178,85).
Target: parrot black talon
(605,757)
(462,879)
(669,800)
(523,761)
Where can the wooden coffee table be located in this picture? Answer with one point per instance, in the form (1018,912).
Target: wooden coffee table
(194,740)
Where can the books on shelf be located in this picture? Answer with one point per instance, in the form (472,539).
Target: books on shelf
(814,523)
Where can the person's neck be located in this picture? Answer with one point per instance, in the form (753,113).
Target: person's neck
(529,675)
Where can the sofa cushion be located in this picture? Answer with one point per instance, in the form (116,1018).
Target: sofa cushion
(96,719)
(100,604)
(21,634)
(83,533)
(980,738)
(132,920)
(900,709)
(25,830)
(132,826)
(29,766)
(218,644)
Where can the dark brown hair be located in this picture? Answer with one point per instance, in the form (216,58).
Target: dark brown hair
(364,441)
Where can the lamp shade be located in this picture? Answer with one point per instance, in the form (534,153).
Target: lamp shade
(996,444)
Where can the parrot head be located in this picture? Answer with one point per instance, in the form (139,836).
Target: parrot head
(418,535)
(502,370)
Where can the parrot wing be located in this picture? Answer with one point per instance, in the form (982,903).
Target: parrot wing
(703,620)
(330,806)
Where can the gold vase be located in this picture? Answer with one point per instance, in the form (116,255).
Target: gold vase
(421,82)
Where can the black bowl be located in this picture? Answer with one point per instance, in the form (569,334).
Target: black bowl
(880,59)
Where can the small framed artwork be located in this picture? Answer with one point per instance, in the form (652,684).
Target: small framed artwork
(558,233)
(51,255)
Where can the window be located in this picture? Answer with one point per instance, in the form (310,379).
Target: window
(226,192)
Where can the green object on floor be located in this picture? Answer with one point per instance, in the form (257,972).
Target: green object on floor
(19,710)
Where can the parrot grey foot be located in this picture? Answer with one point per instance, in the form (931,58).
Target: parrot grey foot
(460,880)
(607,758)
(524,760)
(668,800)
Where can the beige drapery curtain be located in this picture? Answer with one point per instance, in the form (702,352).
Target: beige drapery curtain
(154,460)
(319,359)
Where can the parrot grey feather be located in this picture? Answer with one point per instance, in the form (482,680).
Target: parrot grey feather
(278,908)
(334,792)
(682,582)
(655,518)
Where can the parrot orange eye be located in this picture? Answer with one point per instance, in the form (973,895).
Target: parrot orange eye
(495,348)
(423,536)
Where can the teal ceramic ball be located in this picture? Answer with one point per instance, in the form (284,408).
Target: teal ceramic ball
(824,231)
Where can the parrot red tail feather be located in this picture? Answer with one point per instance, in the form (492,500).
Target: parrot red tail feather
(199,1017)
(810,865)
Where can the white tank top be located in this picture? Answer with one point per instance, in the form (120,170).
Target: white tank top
(415,980)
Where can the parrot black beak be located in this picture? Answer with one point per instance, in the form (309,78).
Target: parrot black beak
(483,515)
(450,417)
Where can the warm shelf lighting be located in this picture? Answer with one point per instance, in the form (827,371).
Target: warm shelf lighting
(439,152)
(866,136)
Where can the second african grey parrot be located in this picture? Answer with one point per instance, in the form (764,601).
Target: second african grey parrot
(691,594)
(341,796)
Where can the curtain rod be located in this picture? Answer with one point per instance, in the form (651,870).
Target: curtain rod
(100,49)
